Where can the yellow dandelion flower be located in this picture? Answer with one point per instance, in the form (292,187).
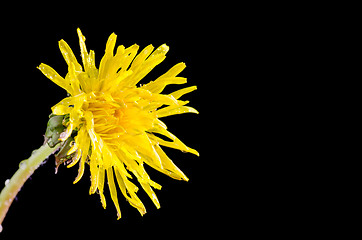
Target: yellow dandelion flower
(114,125)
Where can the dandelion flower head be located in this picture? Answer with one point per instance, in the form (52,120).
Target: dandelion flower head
(114,125)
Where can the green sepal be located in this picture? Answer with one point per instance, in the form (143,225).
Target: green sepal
(62,156)
(54,128)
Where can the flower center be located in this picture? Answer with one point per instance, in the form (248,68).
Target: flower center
(114,117)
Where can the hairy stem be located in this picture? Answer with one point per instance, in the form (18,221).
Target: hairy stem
(26,169)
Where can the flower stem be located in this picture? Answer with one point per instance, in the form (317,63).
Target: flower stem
(26,169)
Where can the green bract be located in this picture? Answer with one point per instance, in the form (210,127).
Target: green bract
(54,128)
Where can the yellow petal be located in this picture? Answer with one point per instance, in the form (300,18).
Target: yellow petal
(78,146)
(69,55)
(61,110)
(105,62)
(128,187)
(143,145)
(143,64)
(179,93)
(92,71)
(158,85)
(75,159)
(94,169)
(145,69)
(113,191)
(129,54)
(54,76)
(111,43)
(73,80)
(161,50)
(101,186)
(173,110)
(174,71)
(170,168)
(176,143)
(150,193)
(83,50)
(84,147)
(141,57)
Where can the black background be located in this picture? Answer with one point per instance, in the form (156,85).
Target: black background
(50,205)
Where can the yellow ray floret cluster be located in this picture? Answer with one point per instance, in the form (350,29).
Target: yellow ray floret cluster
(117,124)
